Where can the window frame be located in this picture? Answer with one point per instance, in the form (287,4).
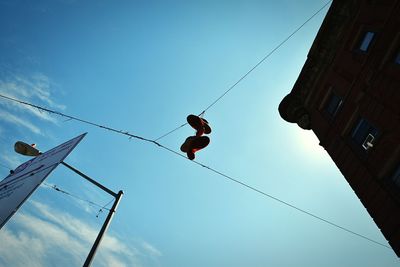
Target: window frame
(333,105)
(364,134)
(366,41)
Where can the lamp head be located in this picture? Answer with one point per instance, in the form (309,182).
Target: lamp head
(25,149)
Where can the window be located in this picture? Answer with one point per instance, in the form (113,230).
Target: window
(364,134)
(396,176)
(366,41)
(333,105)
(397,58)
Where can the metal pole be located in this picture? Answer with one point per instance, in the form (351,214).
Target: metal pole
(103,230)
(89,179)
(107,222)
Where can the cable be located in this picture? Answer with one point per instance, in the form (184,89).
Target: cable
(71,195)
(291,205)
(101,209)
(252,69)
(207,167)
(56,188)
(267,56)
(170,132)
(75,118)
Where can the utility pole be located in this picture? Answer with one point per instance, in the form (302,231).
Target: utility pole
(107,222)
(103,230)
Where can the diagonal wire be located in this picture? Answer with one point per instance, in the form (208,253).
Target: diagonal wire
(104,207)
(76,118)
(291,205)
(170,132)
(56,188)
(209,168)
(253,68)
(267,56)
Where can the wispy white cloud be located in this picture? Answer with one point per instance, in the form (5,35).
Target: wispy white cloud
(64,237)
(24,108)
(13,249)
(54,237)
(11,160)
(80,229)
(38,85)
(151,250)
(37,88)
(19,121)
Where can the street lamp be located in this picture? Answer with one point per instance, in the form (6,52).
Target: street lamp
(25,149)
(31,150)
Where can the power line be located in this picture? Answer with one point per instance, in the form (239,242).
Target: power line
(80,120)
(204,166)
(75,118)
(267,56)
(291,205)
(252,69)
(170,132)
(56,188)
(104,207)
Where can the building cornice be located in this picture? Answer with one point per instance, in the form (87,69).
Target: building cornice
(321,55)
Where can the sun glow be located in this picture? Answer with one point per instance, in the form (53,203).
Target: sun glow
(309,143)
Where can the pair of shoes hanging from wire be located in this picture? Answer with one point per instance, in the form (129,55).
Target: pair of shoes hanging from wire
(197,142)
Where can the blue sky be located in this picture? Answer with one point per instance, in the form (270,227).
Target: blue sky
(142,67)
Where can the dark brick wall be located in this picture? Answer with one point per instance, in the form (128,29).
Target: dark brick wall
(369,85)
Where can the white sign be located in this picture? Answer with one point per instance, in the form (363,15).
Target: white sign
(19,185)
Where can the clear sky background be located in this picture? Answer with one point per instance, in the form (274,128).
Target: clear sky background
(142,67)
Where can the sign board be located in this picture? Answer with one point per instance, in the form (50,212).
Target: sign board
(19,185)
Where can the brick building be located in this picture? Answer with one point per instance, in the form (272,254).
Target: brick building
(348,94)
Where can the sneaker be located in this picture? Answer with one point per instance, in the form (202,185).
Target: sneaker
(200,125)
(186,146)
(207,128)
(199,142)
(193,144)
(190,155)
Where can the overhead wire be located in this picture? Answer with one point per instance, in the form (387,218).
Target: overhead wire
(291,205)
(104,207)
(58,189)
(170,132)
(251,70)
(207,167)
(74,118)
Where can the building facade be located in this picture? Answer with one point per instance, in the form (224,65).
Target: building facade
(348,94)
